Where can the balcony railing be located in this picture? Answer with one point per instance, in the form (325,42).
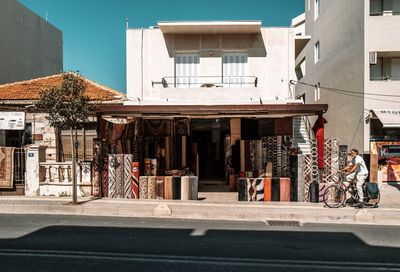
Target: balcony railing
(56,172)
(384,78)
(208,81)
(55,179)
(384,13)
(61,172)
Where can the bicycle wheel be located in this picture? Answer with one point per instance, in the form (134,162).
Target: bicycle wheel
(334,196)
(374,201)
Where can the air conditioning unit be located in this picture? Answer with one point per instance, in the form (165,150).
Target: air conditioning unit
(373,58)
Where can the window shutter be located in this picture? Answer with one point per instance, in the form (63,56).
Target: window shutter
(187,70)
(85,147)
(235,69)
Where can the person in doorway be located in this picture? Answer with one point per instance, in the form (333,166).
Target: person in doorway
(357,170)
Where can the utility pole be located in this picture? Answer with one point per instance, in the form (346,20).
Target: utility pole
(73,169)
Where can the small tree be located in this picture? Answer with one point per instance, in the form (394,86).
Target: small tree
(67,108)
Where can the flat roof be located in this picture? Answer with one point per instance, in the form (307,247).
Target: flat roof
(211,111)
(210,27)
(299,20)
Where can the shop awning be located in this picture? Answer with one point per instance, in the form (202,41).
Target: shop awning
(214,111)
(388,118)
(118,120)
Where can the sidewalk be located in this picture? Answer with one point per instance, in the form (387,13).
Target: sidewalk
(214,206)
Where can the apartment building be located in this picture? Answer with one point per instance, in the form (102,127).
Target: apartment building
(30,46)
(348,55)
(197,89)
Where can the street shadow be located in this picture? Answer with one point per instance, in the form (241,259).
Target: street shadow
(73,248)
(258,244)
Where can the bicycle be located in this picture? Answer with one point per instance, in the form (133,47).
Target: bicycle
(335,195)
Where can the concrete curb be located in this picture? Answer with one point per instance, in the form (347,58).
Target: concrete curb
(306,213)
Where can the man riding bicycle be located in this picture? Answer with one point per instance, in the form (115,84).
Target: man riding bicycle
(357,170)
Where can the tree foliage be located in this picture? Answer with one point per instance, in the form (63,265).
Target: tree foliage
(66,105)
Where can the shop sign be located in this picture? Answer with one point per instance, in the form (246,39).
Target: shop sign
(389,151)
(391,112)
(12,120)
(37,137)
(385,161)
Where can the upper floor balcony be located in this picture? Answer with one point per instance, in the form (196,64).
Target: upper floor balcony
(209,62)
(208,82)
(385,66)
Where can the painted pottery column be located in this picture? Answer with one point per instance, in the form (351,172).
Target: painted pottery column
(127,188)
(135,180)
(96,167)
(185,188)
(168,188)
(314,186)
(194,186)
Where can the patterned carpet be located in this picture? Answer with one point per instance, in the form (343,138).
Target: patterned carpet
(6,167)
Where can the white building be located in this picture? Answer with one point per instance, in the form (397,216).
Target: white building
(197,89)
(205,63)
(348,56)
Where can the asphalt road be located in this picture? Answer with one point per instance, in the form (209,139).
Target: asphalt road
(71,243)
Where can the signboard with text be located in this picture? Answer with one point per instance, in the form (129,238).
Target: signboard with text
(385,161)
(389,151)
(12,120)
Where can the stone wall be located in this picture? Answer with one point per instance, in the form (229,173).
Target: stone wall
(43,134)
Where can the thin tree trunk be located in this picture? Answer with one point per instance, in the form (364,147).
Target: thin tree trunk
(73,159)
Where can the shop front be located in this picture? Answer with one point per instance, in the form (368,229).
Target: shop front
(211,147)
(385,145)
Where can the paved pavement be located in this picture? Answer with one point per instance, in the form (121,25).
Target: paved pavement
(215,206)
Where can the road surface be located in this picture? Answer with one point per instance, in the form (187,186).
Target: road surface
(78,243)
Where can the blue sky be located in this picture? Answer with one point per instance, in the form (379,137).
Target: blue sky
(94,30)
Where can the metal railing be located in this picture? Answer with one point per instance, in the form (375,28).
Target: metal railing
(385,13)
(208,81)
(19,166)
(384,78)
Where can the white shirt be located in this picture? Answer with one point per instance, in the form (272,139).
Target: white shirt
(362,168)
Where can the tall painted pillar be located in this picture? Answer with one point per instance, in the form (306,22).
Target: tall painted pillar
(35,155)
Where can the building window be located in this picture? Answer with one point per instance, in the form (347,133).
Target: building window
(235,70)
(375,7)
(316,8)
(385,69)
(85,143)
(187,70)
(384,7)
(317,52)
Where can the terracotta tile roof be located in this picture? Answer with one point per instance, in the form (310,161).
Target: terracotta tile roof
(30,89)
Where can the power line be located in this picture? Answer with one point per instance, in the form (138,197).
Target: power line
(349,93)
(360,96)
(340,90)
